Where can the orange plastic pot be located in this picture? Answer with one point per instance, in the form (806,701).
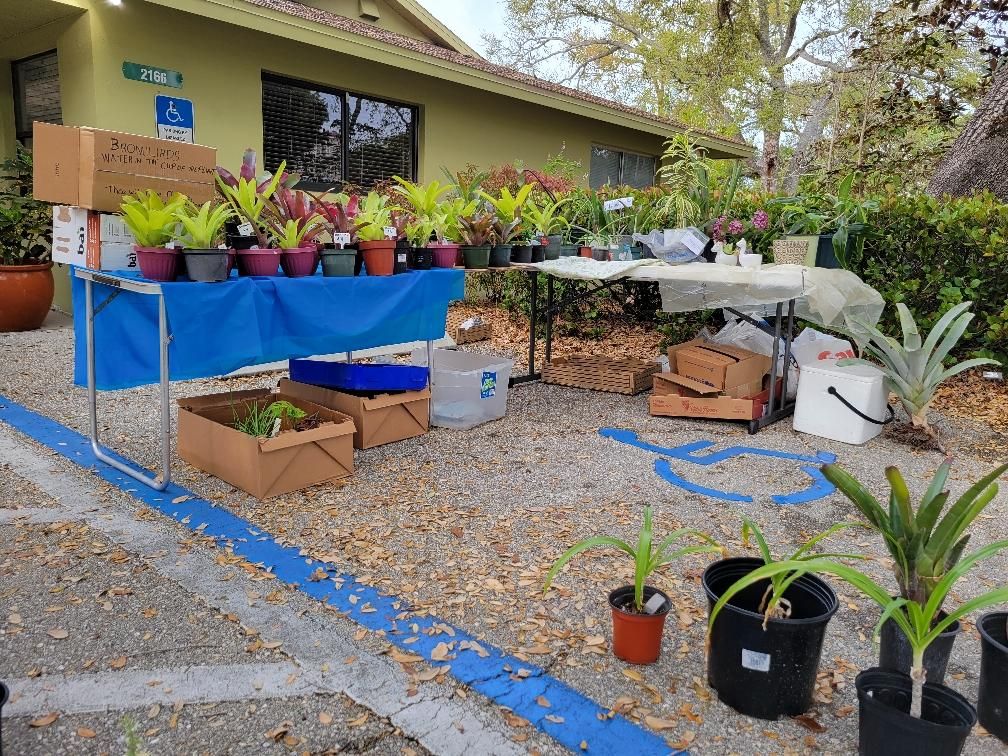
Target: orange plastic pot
(637,637)
(26,294)
(585,251)
(379,257)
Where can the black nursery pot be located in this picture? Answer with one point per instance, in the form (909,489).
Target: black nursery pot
(500,256)
(402,254)
(887,729)
(992,701)
(420,258)
(766,673)
(895,654)
(538,253)
(521,253)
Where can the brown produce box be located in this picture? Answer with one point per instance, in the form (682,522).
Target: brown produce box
(263,467)
(721,366)
(678,396)
(380,420)
(92,168)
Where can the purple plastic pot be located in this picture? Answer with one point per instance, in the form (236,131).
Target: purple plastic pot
(298,263)
(157,263)
(258,262)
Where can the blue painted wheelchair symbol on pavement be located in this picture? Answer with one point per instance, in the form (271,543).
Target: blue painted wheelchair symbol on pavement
(820,487)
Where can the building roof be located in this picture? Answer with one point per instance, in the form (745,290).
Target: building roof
(352,36)
(428,23)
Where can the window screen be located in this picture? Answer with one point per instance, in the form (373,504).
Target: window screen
(615,167)
(605,167)
(638,170)
(331,137)
(36,92)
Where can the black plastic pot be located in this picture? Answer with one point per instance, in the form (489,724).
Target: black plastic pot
(402,253)
(206,265)
(538,253)
(766,673)
(825,254)
(476,258)
(992,701)
(895,654)
(500,256)
(338,263)
(521,253)
(420,258)
(887,729)
(600,254)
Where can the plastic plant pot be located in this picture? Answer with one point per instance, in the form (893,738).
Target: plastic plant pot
(421,258)
(555,240)
(338,263)
(568,250)
(476,258)
(258,262)
(765,673)
(895,654)
(637,637)
(521,253)
(992,701)
(538,253)
(600,254)
(552,252)
(157,263)
(207,265)
(500,256)
(379,256)
(584,251)
(402,253)
(885,727)
(299,262)
(445,255)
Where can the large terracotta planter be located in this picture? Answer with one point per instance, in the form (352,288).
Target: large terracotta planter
(26,294)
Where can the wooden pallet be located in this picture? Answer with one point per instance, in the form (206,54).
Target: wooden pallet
(470,335)
(627,376)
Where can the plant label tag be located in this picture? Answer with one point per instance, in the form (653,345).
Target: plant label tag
(755,660)
(488,388)
(401,257)
(341,239)
(654,604)
(221,246)
(390,232)
(246,229)
(693,244)
(618,204)
(276,428)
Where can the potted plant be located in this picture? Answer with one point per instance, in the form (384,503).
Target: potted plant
(930,719)
(377,237)
(548,223)
(339,216)
(638,617)
(424,199)
(202,227)
(477,233)
(419,232)
(504,236)
(992,699)
(152,221)
(248,197)
(598,244)
(399,224)
(447,231)
(763,653)
(508,208)
(26,280)
(295,220)
(925,546)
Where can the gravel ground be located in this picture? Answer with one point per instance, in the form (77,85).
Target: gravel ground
(467,523)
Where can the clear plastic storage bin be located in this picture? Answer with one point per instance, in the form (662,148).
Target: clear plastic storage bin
(468,389)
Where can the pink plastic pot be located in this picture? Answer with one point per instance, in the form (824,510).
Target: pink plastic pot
(157,263)
(298,263)
(258,262)
(445,255)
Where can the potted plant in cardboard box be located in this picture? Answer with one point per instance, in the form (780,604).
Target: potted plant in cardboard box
(374,217)
(152,222)
(202,226)
(477,234)
(639,610)
(26,281)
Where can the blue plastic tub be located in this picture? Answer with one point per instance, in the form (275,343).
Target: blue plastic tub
(349,377)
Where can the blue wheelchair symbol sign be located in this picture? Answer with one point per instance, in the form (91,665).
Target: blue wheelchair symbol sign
(175,118)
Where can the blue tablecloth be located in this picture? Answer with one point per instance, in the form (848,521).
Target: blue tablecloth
(220,327)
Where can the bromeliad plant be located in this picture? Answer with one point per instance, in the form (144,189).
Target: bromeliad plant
(509,206)
(248,195)
(374,215)
(925,544)
(506,234)
(261,419)
(646,557)
(202,225)
(151,220)
(915,369)
(339,215)
(419,231)
(424,199)
(476,230)
(546,218)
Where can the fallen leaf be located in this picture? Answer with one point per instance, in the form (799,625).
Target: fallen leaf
(180,499)
(58,633)
(45,721)
(543,701)
(441,652)
(555,718)
(277,733)
(430,674)
(325,718)
(633,674)
(153,711)
(358,721)
(272,644)
(809,723)
(657,723)
(514,720)
(118,663)
(404,658)
(85,732)
(457,531)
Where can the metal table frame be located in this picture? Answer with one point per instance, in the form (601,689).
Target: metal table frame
(783,328)
(91,277)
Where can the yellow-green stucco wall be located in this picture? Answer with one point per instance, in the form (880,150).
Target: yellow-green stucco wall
(222,66)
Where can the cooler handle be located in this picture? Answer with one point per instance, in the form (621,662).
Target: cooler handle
(892,413)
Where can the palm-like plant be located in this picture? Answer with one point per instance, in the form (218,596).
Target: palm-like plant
(647,558)
(202,225)
(546,218)
(150,219)
(924,545)
(424,198)
(509,206)
(915,369)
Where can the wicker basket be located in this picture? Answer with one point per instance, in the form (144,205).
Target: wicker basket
(790,251)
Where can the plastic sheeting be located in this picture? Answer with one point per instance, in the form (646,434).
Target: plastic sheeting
(219,327)
(831,298)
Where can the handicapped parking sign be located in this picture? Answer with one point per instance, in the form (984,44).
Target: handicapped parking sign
(175,118)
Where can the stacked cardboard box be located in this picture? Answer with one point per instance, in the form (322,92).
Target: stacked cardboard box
(711,380)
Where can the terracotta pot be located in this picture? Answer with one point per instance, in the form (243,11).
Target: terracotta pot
(158,263)
(26,294)
(584,252)
(637,637)
(379,257)
(445,255)
(258,262)
(298,263)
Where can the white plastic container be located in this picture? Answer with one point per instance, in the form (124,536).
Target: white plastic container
(469,389)
(820,411)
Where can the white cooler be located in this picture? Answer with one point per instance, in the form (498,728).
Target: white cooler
(821,411)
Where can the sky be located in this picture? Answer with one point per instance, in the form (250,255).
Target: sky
(468,18)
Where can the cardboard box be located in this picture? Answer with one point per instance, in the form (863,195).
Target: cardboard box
(726,368)
(89,239)
(92,168)
(482,332)
(263,467)
(379,420)
(678,396)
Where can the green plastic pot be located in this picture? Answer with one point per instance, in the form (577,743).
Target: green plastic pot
(476,258)
(338,263)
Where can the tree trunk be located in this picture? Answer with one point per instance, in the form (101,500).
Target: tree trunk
(978,159)
(812,131)
(771,153)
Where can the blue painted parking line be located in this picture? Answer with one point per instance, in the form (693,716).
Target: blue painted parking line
(484,668)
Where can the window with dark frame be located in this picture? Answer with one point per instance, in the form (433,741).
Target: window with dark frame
(618,167)
(331,137)
(36,92)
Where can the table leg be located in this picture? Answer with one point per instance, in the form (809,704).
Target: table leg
(549,319)
(785,408)
(531,375)
(158,484)
(430,381)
